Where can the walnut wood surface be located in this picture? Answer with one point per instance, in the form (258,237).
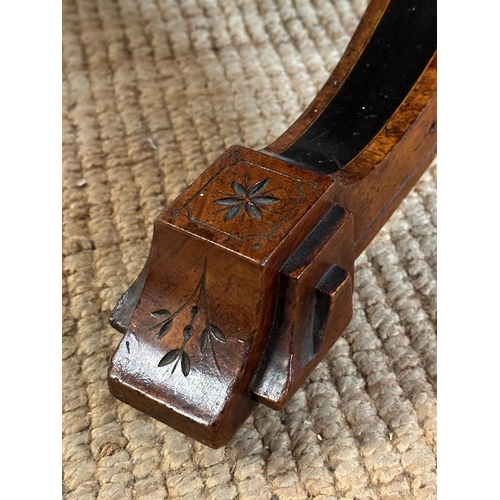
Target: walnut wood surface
(250,274)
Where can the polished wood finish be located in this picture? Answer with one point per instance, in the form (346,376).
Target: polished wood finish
(250,275)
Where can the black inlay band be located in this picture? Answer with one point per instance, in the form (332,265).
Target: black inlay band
(397,53)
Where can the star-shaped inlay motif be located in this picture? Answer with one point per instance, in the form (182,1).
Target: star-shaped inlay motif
(247,200)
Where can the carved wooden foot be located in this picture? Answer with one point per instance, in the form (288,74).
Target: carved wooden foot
(249,279)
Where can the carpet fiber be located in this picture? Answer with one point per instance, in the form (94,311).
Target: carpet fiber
(153,92)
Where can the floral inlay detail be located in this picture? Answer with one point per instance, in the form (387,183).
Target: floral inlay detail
(198,322)
(247,200)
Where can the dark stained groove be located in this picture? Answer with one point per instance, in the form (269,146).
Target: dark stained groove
(329,282)
(398,52)
(313,240)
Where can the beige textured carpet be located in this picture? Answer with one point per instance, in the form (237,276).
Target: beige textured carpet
(154,90)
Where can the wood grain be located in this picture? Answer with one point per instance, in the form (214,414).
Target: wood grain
(250,274)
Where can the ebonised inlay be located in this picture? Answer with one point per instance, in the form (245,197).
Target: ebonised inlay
(397,53)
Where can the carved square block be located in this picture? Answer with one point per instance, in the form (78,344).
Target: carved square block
(244,205)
